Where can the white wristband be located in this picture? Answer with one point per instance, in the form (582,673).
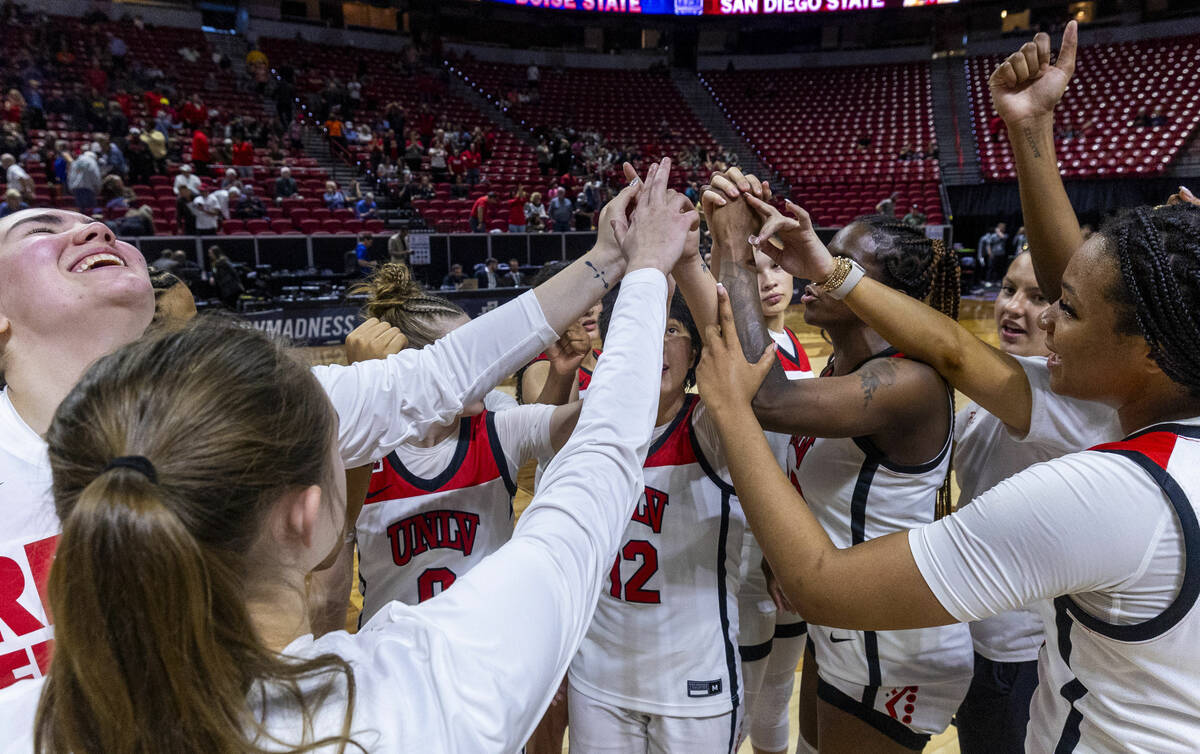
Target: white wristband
(856,274)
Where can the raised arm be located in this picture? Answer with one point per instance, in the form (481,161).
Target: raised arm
(875,585)
(1025,90)
(383,404)
(539,591)
(986,375)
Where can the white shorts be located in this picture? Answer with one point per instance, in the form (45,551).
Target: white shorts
(599,728)
(909,715)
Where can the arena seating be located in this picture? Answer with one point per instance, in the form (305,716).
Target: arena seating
(806,125)
(512,163)
(640,109)
(1153,73)
(156,48)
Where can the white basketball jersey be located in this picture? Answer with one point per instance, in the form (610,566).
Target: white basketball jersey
(664,637)
(857,495)
(416,536)
(26,549)
(1133,687)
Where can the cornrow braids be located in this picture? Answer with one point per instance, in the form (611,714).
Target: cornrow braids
(916,264)
(393,296)
(925,269)
(1158,291)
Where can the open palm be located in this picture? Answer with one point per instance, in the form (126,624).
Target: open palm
(1026,86)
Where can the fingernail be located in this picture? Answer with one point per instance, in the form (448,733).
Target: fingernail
(720,287)
(752,240)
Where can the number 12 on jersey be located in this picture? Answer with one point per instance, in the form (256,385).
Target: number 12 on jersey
(637,551)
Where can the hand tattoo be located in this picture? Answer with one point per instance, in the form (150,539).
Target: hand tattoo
(598,273)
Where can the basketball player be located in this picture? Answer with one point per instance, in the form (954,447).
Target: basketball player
(871,452)
(549,381)
(658,669)
(435,507)
(151,568)
(1100,541)
(770,641)
(71,292)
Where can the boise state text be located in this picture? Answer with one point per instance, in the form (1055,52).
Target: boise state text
(665,7)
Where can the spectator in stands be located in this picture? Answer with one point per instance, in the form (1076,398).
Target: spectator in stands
(201,155)
(156,142)
(692,192)
(1158,118)
(285,186)
(231,178)
(931,150)
(248,207)
(354,193)
(455,277)
(226,200)
(138,221)
(437,161)
(18,178)
(138,159)
(243,158)
(472,161)
(334,198)
(544,157)
(365,208)
(992,253)
(189,54)
(887,205)
(532,75)
(187,178)
(185,216)
(907,153)
(425,189)
(536,216)
(478,221)
(514,276)
(362,253)
(62,163)
(413,152)
(915,217)
(516,211)
(83,180)
(863,143)
(562,211)
(335,127)
(12,203)
(207,210)
(489,275)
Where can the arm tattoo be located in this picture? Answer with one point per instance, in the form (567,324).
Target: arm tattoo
(742,285)
(598,273)
(881,374)
(1032,142)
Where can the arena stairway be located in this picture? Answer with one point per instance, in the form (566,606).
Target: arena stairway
(714,119)
(954,124)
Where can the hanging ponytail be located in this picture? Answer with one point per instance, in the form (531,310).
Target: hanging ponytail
(395,297)
(167,459)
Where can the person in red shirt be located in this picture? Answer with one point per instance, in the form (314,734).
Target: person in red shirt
(96,77)
(194,113)
(425,123)
(456,162)
(201,155)
(243,158)
(472,162)
(516,211)
(479,212)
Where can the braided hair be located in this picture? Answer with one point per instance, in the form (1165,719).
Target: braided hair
(925,269)
(393,296)
(1157,294)
(916,264)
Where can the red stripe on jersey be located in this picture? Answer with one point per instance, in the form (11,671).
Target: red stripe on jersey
(585,375)
(473,465)
(675,447)
(800,362)
(1157,446)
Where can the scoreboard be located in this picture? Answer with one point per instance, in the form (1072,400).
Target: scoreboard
(721,7)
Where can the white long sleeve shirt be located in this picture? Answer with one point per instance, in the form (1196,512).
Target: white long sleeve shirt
(473,669)
(380,405)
